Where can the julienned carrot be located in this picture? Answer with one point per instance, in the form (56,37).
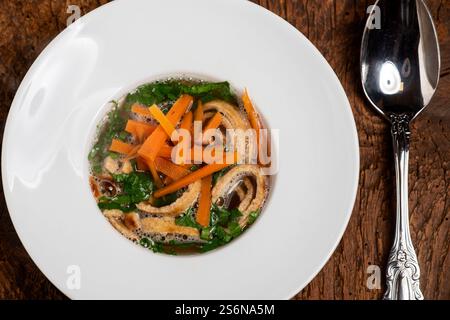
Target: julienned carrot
(156,140)
(133,153)
(204,204)
(198,154)
(253,117)
(186,122)
(165,151)
(190,178)
(198,118)
(154,172)
(131,150)
(138,109)
(139,130)
(141,164)
(214,122)
(170,169)
(198,115)
(162,120)
(121,147)
(167,180)
(252,114)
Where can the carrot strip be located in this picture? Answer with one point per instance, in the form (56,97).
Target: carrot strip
(162,119)
(165,151)
(199,153)
(140,110)
(121,147)
(156,140)
(204,204)
(167,180)
(154,172)
(170,169)
(139,130)
(133,153)
(253,116)
(186,122)
(198,115)
(214,122)
(94,186)
(141,164)
(190,178)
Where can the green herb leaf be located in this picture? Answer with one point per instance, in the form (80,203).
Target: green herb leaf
(224,227)
(235,229)
(114,124)
(165,91)
(252,217)
(123,135)
(112,203)
(136,187)
(188,219)
(182,245)
(113,155)
(235,214)
(219,174)
(153,245)
(193,168)
(222,234)
(145,242)
(224,216)
(211,245)
(168,199)
(206,233)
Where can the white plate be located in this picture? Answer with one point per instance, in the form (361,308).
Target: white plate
(124,43)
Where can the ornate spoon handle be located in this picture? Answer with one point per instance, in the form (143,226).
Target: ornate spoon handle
(403,273)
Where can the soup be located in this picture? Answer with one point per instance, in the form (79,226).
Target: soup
(176,165)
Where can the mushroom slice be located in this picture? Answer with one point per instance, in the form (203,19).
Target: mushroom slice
(178,206)
(166,225)
(226,184)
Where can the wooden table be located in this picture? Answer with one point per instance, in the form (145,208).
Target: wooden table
(335,28)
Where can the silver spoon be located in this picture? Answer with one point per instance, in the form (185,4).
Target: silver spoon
(400,66)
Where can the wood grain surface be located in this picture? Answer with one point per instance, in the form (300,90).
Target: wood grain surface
(335,28)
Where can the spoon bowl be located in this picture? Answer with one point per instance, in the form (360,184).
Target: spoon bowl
(400,57)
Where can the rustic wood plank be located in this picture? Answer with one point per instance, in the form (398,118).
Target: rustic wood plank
(335,28)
